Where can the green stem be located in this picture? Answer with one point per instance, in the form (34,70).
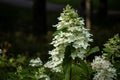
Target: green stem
(70,73)
(67,64)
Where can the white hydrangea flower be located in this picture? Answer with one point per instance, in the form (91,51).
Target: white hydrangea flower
(71,31)
(35,62)
(57,56)
(53,64)
(104,68)
(46,77)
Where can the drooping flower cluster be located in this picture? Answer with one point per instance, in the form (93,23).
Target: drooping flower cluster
(104,69)
(70,31)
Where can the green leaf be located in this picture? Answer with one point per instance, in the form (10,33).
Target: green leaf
(107,50)
(67,70)
(85,70)
(93,50)
(76,72)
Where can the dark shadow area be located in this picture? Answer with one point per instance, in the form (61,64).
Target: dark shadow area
(21,31)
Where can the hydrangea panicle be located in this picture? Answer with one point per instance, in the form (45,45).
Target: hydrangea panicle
(70,30)
(104,69)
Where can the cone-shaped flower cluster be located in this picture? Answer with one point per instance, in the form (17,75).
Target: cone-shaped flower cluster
(70,31)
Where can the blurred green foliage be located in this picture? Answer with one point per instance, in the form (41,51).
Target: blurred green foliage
(112,52)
